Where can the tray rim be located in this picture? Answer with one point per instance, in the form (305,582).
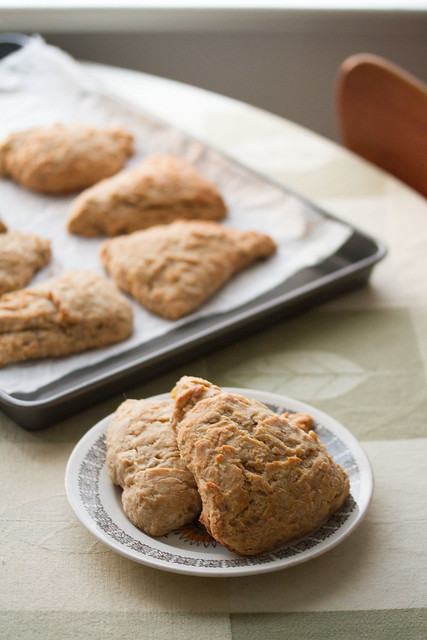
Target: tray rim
(275,304)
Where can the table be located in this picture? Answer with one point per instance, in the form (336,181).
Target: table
(361,358)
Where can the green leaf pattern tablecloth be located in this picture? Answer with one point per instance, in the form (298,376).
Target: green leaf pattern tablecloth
(361,358)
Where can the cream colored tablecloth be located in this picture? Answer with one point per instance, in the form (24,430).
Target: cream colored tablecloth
(361,358)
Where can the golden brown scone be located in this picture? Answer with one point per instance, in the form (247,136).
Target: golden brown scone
(21,256)
(3,227)
(159,493)
(263,481)
(303,420)
(75,312)
(64,158)
(172,269)
(160,190)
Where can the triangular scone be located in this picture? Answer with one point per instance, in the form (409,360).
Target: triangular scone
(263,481)
(158,191)
(172,269)
(75,312)
(159,493)
(64,158)
(21,256)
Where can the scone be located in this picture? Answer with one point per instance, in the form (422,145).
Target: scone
(3,227)
(21,256)
(160,190)
(303,420)
(75,312)
(159,493)
(64,158)
(172,269)
(263,481)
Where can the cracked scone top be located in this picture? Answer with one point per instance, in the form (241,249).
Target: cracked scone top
(75,312)
(172,269)
(263,481)
(159,493)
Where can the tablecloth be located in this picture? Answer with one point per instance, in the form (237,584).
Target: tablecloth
(361,358)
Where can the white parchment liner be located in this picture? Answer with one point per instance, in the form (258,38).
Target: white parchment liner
(41,85)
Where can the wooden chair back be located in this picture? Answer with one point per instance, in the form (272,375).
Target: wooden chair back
(382,116)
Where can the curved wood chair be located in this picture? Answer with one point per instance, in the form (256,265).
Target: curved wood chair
(382,116)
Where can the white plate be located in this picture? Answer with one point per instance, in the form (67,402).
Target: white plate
(97,503)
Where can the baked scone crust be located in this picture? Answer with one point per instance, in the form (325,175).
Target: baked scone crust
(21,256)
(159,493)
(172,269)
(3,227)
(64,158)
(75,312)
(263,481)
(303,420)
(161,189)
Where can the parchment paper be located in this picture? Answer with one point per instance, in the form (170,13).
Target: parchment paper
(41,85)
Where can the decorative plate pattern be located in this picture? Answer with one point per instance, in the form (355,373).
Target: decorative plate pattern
(97,503)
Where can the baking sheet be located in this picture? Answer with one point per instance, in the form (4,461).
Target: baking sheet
(40,85)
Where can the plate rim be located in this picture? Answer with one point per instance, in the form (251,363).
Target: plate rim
(82,447)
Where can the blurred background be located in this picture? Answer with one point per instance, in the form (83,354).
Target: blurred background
(277,55)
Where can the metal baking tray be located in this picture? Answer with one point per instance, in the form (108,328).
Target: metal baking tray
(347,268)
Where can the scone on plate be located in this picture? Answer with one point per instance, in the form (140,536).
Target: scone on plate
(21,256)
(75,312)
(159,493)
(64,158)
(303,420)
(172,269)
(158,191)
(263,481)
